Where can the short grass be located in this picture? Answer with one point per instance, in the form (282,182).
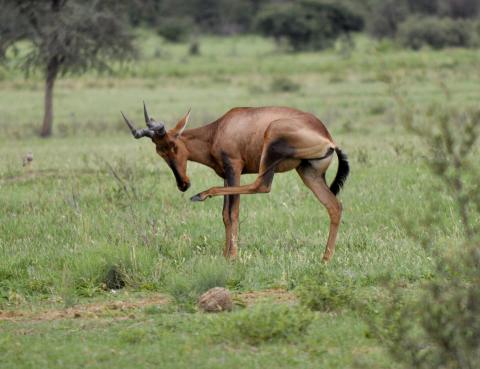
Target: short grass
(94,200)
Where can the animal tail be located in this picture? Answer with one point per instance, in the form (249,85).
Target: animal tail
(342,173)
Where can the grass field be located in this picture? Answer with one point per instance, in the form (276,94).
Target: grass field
(96,202)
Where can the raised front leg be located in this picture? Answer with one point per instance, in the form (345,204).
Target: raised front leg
(273,153)
(231,209)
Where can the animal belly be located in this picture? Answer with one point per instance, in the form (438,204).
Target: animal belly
(283,166)
(286,165)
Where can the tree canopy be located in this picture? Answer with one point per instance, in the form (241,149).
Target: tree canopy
(308,24)
(65,36)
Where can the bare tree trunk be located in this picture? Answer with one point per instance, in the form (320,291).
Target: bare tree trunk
(51,75)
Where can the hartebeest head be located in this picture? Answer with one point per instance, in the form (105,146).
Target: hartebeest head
(168,145)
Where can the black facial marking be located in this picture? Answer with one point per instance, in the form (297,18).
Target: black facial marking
(180,183)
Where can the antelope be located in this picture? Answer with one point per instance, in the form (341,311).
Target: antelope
(263,140)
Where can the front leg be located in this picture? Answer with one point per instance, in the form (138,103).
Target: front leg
(272,154)
(261,185)
(231,208)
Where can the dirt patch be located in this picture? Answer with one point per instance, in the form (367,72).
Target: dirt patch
(126,309)
(274,295)
(114,309)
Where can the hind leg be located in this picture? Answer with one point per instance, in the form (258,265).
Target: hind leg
(314,179)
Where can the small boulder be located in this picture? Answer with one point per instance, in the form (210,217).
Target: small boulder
(215,300)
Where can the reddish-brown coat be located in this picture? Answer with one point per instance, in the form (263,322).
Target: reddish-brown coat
(264,140)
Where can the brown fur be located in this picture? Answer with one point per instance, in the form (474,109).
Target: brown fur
(263,140)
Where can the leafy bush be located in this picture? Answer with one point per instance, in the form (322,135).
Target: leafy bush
(308,24)
(459,8)
(386,16)
(437,33)
(440,326)
(175,29)
(267,322)
(321,292)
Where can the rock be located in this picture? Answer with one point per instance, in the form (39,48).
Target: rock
(215,300)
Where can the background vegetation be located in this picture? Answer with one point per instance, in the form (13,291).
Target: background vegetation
(91,216)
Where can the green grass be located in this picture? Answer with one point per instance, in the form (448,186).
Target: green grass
(66,220)
(182,341)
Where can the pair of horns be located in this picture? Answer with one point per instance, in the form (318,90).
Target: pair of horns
(153,128)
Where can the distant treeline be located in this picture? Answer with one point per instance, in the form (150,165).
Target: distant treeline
(315,23)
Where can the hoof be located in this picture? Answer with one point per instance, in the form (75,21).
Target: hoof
(196,198)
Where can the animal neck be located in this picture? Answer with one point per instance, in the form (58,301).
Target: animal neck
(198,142)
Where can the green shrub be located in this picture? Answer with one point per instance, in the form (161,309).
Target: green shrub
(180,287)
(321,292)
(3,73)
(175,29)
(439,326)
(308,24)
(267,322)
(459,8)
(416,32)
(186,286)
(386,16)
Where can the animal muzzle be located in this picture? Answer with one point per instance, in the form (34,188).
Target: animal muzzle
(182,184)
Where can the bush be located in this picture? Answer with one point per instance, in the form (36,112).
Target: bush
(323,292)
(308,24)
(386,16)
(175,29)
(437,33)
(459,8)
(267,322)
(439,326)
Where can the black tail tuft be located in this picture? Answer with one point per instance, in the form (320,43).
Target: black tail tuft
(342,173)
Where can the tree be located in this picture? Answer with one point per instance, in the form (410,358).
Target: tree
(308,24)
(386,15)
(65,36)
(210,16)
(459,8)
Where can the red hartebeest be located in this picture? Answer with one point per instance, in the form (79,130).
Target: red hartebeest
(264,140)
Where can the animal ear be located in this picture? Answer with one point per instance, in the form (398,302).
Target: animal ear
(182,123)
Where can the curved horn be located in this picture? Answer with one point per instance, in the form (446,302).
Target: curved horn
(128,123)
(157,127)
(138,133)
(145,113)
